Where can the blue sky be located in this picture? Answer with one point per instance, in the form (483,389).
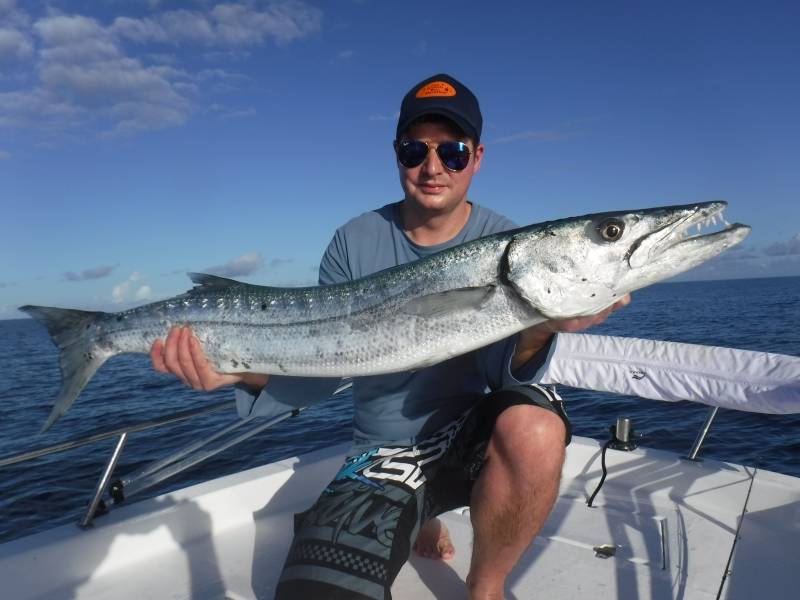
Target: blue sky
(140,140)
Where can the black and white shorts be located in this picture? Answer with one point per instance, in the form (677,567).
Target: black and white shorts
(353,541)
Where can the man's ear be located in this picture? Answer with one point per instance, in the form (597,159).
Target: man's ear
(478,157)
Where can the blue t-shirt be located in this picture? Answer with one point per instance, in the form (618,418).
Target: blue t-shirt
(398,408)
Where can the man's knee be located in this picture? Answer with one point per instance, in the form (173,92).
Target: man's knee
(525,430)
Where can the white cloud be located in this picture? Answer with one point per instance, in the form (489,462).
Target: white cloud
(243,24)
(86,82)
(246,264)
(345,54)
(138,30)
(87,274)
(59,30)
(231,24)
(739,253)
(14,46)
(89,79)
(277,262)
(12,17)
(790,248)
(130,289)
(143,293)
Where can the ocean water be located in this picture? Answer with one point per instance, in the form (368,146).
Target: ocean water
(756,314)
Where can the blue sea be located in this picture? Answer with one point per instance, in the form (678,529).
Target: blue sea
(756,314)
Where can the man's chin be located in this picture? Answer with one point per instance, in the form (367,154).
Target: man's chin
(432,204)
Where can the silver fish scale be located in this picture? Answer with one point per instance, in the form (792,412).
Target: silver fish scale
(355,328)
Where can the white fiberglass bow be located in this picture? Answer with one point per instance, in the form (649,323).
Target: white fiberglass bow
(726,377)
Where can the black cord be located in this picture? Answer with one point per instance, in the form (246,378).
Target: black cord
(605,471)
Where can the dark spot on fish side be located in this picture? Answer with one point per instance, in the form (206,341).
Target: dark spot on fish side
(282,368)
(593,295)
(119,318)
(583,279)
(548,290)
(234,363)
(263,306)
(245,365)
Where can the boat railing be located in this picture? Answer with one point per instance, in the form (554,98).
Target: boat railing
(192,454)
(159,470)
(702,434)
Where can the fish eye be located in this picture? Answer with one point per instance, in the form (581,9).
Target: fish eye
(611,229)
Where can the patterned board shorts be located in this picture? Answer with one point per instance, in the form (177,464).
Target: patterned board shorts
(353,541)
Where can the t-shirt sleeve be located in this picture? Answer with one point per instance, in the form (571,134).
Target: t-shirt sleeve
(497,362)
(282,394)
(334,266)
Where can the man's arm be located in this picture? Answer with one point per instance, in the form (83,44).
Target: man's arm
(533,339)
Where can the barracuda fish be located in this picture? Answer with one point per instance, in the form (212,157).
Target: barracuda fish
(406,317)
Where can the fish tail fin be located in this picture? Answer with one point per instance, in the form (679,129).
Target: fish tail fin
(78,357)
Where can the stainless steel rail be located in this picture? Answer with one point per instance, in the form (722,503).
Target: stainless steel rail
(703,434)
(163,468)
(103,483)
(97,437)
(173,466)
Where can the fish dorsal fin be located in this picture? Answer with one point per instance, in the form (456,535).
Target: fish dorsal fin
(206,282)
(442,303)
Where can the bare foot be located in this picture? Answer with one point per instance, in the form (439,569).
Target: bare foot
(433,541)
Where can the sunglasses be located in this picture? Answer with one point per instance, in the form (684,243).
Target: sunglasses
(412,153)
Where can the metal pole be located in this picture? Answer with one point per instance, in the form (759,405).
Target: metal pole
(101,486)
(703,434)
(136,486)
(168,460)
(96,437)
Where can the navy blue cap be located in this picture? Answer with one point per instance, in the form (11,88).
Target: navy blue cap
(442,95)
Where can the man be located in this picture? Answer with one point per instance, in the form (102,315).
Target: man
(430,440)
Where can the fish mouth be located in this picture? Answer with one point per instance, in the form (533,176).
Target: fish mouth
(675,242)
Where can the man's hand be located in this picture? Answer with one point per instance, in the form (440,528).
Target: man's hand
(183,356)
(533,339)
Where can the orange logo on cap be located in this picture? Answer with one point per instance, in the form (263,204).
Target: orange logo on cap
(436,88)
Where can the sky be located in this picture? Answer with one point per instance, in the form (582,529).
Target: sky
(143,139)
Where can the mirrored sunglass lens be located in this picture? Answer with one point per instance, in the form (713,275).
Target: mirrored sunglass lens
(454,155)
(411,153)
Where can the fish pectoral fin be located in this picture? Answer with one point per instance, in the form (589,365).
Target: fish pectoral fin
(442,303)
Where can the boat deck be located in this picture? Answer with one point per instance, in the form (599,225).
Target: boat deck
(672,524)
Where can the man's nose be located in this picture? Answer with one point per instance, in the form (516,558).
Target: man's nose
(432,165)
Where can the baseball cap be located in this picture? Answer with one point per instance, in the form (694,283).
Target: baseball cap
(442,95)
